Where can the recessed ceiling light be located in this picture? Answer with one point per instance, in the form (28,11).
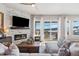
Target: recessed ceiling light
(33,5)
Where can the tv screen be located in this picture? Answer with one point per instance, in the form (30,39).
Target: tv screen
(20,22)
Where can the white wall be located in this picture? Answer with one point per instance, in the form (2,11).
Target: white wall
(8,13)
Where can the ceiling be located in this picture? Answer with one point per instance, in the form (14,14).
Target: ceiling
(47,8)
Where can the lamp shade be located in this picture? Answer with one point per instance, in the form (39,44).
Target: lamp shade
(6,30)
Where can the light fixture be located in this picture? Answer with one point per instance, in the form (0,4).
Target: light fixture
(6,30)
(31,4)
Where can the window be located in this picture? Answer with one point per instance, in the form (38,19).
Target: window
(50,30)
(46,30)
(37,25)
(75,27)
(54,25)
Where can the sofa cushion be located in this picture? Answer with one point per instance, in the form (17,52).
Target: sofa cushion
(51,47)
(12,50)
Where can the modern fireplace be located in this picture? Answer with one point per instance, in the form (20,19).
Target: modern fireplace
(20,36)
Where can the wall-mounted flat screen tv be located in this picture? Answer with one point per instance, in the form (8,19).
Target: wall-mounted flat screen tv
(20,22)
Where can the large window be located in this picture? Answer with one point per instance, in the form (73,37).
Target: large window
(46,30)
(37,30)
(37,27)
(50,30)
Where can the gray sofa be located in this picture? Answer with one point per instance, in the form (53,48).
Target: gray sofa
(68,48)
(49,47)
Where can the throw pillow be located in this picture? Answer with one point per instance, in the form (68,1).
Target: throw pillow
(3,48)
(64,52)
(66,44)
(12,50)
(60,42)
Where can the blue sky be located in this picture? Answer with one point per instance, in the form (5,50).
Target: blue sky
(76,23)
(47,25)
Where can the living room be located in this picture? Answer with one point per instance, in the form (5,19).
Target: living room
(39,29)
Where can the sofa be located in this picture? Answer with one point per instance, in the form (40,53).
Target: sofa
(74,49)
(67,48)
(52,48)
